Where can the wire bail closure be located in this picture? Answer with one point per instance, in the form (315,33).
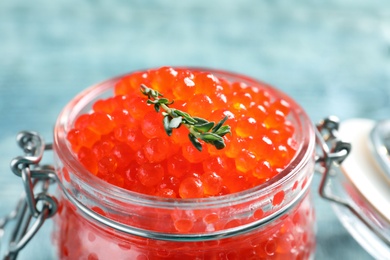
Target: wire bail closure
(334,152)
(35,202)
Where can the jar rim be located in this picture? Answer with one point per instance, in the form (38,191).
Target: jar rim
(61,147)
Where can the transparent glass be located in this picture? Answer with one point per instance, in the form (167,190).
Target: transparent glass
(368,239)
(272,221)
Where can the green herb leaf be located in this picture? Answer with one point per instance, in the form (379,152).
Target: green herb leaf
(181,113)
(157,107)
(204,127)
(220,123)
(219,144)
(195,142)
(164,101)
(166,122)
(223,130)
(186,117)
(175,122)
(200,120)
(210,137)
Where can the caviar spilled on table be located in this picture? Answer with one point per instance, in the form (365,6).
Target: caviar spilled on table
(132,143)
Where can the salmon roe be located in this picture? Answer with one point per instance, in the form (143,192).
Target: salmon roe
(124,134)
(122,141)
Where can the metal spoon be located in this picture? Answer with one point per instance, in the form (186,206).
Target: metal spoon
(380,139)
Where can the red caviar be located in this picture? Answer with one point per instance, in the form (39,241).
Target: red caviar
(259,124)
(289,237)
(122,141)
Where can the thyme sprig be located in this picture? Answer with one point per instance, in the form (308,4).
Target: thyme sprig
(199,128)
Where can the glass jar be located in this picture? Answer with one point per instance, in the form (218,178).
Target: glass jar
(97,220)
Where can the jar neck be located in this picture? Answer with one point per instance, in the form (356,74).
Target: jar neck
(211,219)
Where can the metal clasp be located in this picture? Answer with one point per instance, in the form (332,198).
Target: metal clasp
(35,204)
(334,151)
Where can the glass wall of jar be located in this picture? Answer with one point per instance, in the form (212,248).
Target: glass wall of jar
(98,220)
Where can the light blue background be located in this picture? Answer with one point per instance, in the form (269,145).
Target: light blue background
(333,57)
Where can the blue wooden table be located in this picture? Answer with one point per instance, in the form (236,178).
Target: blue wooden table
(333,57)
